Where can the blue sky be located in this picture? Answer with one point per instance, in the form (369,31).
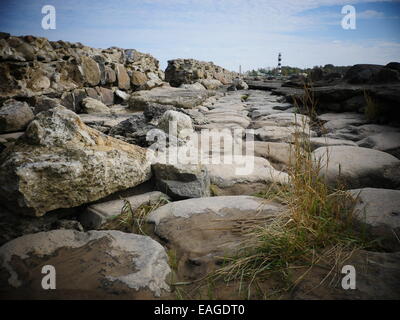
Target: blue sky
(229,32)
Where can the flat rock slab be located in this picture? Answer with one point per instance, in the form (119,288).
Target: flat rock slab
(386,141)
(358,167)
(97,214)
(178,97)
(277,153)
(245,175)
(377,278)
(92,265)
(272,133)
(204,229)
(379,209)
(106,120)
(316,142)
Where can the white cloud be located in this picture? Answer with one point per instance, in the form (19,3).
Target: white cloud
(370,14)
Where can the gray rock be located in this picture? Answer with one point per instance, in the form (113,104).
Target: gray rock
(203,230)
(62,163)
(97,264)
(14,116)
(154,111)
(244,175)
(176,124)
(387,141)
(182,181)
(358,167)
(379,209)
(211,84)
(97,214)
(122,95)
(377,278)
(193,86)
(178,97)
(316,142)
(43,103)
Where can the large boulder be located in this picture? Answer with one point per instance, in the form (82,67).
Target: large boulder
(92,265)
(62,163)
(14,116)
(358,167)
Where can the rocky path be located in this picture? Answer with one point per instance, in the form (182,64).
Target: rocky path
(204,208)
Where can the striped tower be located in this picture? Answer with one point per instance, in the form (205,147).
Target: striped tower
(279,64)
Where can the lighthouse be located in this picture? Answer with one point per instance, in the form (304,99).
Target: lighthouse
(279,64)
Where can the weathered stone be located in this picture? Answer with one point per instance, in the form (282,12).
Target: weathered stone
(204,230)
(14,116)
(358,167)
(138,78)
(244,175)
(279,154)
(386,141)
(154,111)
(62,163)
(43,103)
(176,123)
(361,73)
(316,142)
(211,84)
(90,105)
(379,209)
(186,71)
(182,181)
(109,75)
(96,264)
(122,77)
(377,278)
(106,95)
(193,86)
(91,71)
(121,95)
(178,97)
(97,214)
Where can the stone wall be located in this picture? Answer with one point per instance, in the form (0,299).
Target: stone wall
(31,67)
(186,71)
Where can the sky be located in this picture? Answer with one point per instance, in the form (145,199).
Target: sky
(230,33)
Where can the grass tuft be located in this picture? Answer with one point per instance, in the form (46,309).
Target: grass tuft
(316,226)
(133,221)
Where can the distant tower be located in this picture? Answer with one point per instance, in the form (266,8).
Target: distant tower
(240,70)
(279,64)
